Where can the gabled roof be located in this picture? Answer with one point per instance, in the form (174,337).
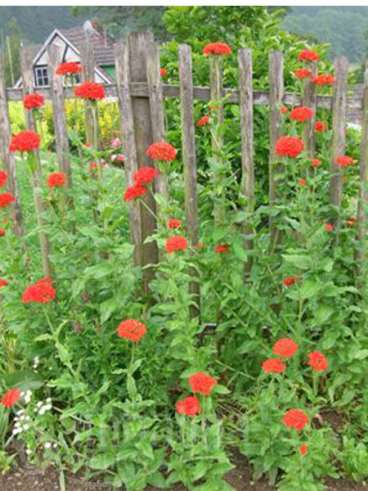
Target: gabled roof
(74,38)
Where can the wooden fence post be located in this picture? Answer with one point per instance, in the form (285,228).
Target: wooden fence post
(36,175)
(8,158)
(310,100)
(189,162)
(58,107)
(246,131)
(216,94)
(363,189)
(157,107)
(88,63)
(138,42)
(338,126)
(276,81)
(127,128)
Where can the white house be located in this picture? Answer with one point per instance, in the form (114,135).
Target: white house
(71,41)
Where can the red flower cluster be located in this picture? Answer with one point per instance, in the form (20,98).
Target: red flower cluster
(222,248)
(273,365)
(6,199)
(3,282)
(10,398)
(132,330)
(161,151)
(163,72)
(203,121)
(173,223)
(344,161)
(329,227)
(3,178)
(202,383)
(350,222)
(308,55)
(33,101)
(289,281)
(303,449)
(317,361)
(190,406)
(176,243)
(40,292)
(301,114)
(56,180)
(289,146)
(324,79)
(145,175)
(90,90)
(285,347)
(284,110)
(302,182)
(2,232)
(218,49)
(68,68)
(133,192)
(25,141)
(302,73)
(320,126)
(315,162)
(295,418)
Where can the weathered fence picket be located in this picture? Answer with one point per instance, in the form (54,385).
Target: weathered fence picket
(310,100)
(88,75)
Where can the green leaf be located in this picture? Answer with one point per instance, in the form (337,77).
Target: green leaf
(309,289)
(299,261)
(102,461)
(24,380)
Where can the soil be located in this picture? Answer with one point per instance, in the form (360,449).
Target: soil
(29,479)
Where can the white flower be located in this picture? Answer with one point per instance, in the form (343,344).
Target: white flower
(28,451)
(47,445)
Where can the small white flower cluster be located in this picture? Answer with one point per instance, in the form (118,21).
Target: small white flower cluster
(42,407)
(48,445)
(27,396)
(36,362)
(22,422)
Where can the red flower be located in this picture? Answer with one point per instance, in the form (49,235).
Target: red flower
(161,151)
(203,121)
(315,162)
(302,73)
(324,79)
(133,192)
(289,281)
(3,178)
(320,126)
(92,167)
(40,292)
(285,347)
(68,68)
(90,90)
(145,175)
(202,383)
(190,406)
(301,114)
(289,146)
(132,330)
(56,180)
(6,199)
(219,49)
(344,161)
(10,398)
(329,227)
(350,222)
(302,182)
(303,449)
(173,223)
(317,361)
(273,365)
(308,55)
(295,418)
(33,101)
(222,248)
(163,72)
(284,110)
(3,283)
(176,243)
(25,141)
(2,232)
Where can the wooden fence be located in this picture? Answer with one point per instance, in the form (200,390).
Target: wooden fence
(141,92)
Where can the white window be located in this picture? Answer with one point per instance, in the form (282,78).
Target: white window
(41,76)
